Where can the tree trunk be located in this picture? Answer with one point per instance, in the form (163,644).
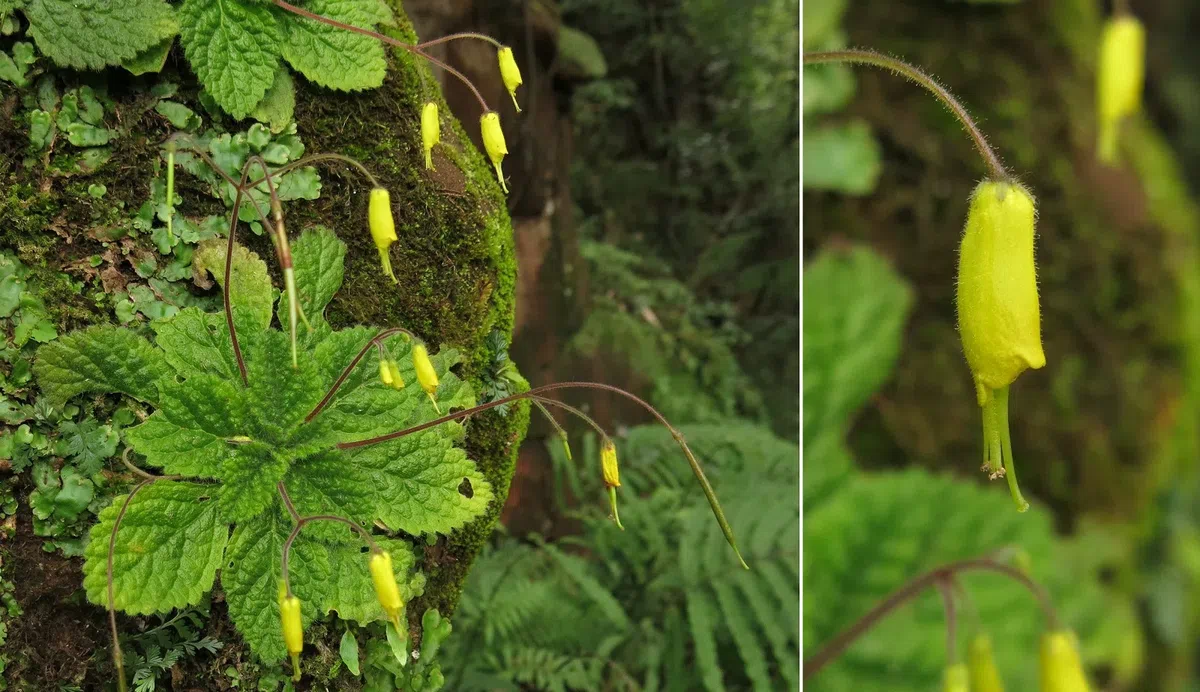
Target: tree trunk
(454,260)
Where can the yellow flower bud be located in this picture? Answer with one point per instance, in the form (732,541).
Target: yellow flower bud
(1119,76)
(386,589)
(385,373)
(493,142)
(982,666)
(382,226)
(293,632)
(608,464)
(426,375)
(397,381)
(1061,669)
(955,679)
(999,319)
(510,73)
(431,131)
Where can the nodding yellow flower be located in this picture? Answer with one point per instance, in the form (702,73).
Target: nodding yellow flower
(431,131)
(982,666)
(293,632)
(510,73)
(612,476)
(397,381)
(1061,669)
(382,226)
(385,372)
(1119,76)
(386,589)
(426,375)
(999,319)
(493,142)
(955,679)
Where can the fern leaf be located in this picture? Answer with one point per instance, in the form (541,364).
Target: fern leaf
(748,646)
(702,622)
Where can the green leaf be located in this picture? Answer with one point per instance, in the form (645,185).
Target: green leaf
(843,158)
(249,476)
(333,57)
(250,286)
(857,306)
(318,257)
(417,479)
(233,46)
(150,60)
(251,579)
(327,483)
(177,450)
(348,651)
(91,34)
(280,395)
(167,552)
(100,359)
(196,342)
(41,128)
(883,530)
(351,593)
(179,115)
(84,135)
(278,105)
(87,443)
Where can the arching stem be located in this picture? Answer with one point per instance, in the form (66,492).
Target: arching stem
(460,35)
(713,503)
(870,57)
(375,340)
(907,592)
(386,39)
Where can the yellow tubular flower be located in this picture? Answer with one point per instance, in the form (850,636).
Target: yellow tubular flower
(510,73)
(982,666)
(612,476)
(293,633)
(955,679)
(431,131)
(1119,76)
(426,375)
(382,226)
(999,319)
(397,381)
(493,143)
(385,373)
(1061,669)
(386,589)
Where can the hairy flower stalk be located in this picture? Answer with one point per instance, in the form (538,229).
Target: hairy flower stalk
(1120,72)
(999,319)
(171,192)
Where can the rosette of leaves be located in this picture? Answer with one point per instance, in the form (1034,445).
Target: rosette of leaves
(229,447)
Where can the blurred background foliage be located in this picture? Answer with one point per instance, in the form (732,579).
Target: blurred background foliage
(683,178)
(1105,436)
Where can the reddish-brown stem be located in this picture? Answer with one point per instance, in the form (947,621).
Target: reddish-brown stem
(946,591)
(317,158)
(697,471)
(233,222)
(905,593)
(386,39)
(287,546)
(377,339)
(454,37)
(542,401)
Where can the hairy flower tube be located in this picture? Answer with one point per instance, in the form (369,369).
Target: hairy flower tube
(955,679)
(431,131)
(382,226)
(1060,667)
(385,373)
(293,632)
(981,666)
(493,142)
(1119,76)
(999,319)
(397,382)
(386,589)
(510,73)
(612,476)
(426,375)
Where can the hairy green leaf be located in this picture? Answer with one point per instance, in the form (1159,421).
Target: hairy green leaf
(151,59)
(278,105)
(177,450)
(249,473)
(318,256)
(168,549)
(331,56)
(250,289)
(233,46)
(352,595)
(327,483)
(92,34)
(196,342)
(251,577)
(100,359)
